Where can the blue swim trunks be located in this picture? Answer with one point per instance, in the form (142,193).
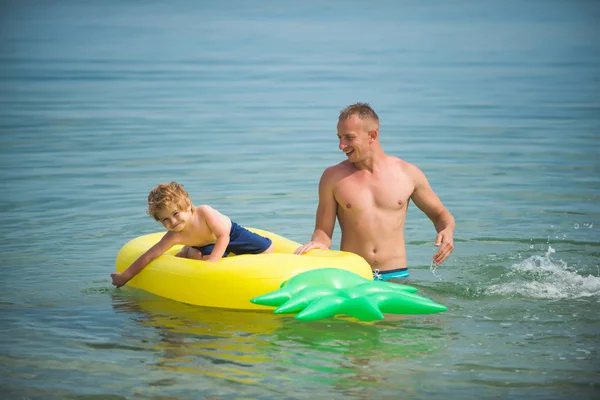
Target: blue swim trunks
(390,274)
(241,241)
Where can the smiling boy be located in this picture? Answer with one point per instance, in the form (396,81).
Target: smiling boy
(206,233)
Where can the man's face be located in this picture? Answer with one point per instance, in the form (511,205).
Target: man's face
(354,138)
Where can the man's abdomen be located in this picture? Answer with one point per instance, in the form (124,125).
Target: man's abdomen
(384,254)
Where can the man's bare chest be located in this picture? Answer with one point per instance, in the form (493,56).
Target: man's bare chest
(366,195)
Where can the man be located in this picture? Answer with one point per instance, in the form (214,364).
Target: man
(369,194)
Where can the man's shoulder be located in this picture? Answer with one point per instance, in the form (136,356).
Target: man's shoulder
(334,173)
(342,165)
(341,168)
(404,165)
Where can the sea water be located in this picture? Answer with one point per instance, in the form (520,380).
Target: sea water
(497,102)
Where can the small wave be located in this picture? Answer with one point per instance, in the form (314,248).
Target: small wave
(543,277)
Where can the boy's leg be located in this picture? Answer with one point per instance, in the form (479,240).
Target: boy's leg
(194,254)
(183,252)
(190,252)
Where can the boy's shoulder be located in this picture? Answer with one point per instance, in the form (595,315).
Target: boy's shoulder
(203,208)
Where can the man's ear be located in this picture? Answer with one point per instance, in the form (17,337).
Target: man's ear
(373,134)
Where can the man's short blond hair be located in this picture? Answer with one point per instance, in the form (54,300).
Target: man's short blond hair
(361,110)
(167,196)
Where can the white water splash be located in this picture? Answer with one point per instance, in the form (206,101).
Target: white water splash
(432,268)
(542,277)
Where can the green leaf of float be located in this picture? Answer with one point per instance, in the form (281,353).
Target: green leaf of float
(371,287)
(334,278)
(329,277)
(307,295)
(361,308)
(407,303)
(370,307)
(396,286)
(326,292)
(274,298)
(303,298)
(323,277)
(325,307)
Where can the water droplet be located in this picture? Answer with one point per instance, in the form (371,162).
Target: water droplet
(576,226)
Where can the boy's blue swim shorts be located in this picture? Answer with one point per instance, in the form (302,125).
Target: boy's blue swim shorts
(241,241)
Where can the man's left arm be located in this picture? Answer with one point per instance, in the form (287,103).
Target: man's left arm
(425,198)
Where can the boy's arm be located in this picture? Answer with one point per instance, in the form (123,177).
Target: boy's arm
(164,244)
(218,227)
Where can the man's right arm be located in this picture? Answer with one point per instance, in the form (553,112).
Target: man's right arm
(425,198)
(325,216)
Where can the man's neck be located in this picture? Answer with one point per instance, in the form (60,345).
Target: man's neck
(371,163)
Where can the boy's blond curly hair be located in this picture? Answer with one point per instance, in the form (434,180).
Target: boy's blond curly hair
(168,195)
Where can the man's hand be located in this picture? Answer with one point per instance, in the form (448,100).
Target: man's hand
(309,246)
(445,241)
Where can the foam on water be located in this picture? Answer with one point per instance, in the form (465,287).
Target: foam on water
(544,277)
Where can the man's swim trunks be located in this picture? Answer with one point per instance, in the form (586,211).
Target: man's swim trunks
(390,274)
(241,241)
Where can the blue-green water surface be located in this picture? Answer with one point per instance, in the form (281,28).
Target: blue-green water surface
(497,102)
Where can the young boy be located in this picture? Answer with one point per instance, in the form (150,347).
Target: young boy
(206,233)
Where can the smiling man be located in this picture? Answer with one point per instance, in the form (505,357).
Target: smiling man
(369,193)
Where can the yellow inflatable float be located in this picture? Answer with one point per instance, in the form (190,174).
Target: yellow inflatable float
(234,280)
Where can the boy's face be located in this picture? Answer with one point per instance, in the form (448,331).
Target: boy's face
(173,218)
